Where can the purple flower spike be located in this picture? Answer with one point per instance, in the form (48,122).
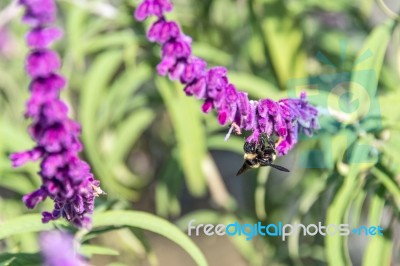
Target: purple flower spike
(284,118)
(59,249)
(43,37)
(66,179)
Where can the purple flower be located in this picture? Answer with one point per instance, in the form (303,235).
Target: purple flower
(41,63)
(39,12)
(152,8)
(66,179)
(161,31)
(58,248)
(42,37)
(284,118)
(194,69)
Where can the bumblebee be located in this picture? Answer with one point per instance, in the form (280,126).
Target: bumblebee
(259,154)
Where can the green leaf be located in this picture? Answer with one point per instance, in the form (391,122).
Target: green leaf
(257,87)
(391,186)
(375,209)
(76,18)
(390,107)
(117,102)
(20,259)
(22,186)
(357,207)
(211,54)
(24,224)
(283,38)
(185,115)
(152,223)
(128,132)
(336,245)
(378,251)
(167,189)
(107,41)
(101,72)
(90,250)
(368,65)
(233,144)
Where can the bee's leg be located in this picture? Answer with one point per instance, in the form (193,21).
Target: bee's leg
(262,142)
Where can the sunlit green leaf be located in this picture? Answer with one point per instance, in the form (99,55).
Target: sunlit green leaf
(185,115)
(24,224)
(152,223)
(20,259)
(96,81)
(90,250)
(284,39)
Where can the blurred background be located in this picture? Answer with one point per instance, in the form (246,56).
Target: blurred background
(154,150)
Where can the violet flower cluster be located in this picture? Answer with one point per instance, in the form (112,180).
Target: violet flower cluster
(58,248)
(284,118)
(66,179)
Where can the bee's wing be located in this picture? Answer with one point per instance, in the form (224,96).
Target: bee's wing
(281,168)
(242,169)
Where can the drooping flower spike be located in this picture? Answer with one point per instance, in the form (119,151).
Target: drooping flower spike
(66,179)
(284,118)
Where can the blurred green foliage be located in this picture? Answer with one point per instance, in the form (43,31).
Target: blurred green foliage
(154,150)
